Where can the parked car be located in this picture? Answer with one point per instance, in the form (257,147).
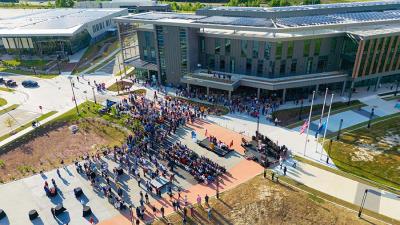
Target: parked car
(30,83)
(11,83)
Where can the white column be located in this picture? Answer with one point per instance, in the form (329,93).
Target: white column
(343,88)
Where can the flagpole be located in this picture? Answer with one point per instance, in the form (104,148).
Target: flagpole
(327,123)
(320,120)
(308,125)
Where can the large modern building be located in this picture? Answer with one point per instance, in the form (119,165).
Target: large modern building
(283,51)
(133,6)
(54,31)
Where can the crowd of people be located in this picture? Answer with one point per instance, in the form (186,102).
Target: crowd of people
(250,105)
(202,168)
(146,154)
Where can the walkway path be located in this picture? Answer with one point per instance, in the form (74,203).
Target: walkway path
(354,117)
(386,203)
(321,180)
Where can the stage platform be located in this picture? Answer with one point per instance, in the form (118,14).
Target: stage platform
(265,157)
(205,143)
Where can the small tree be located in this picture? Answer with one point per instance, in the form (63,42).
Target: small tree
(9,122)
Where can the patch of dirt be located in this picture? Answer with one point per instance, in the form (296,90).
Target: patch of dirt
(44,152)
(260,201)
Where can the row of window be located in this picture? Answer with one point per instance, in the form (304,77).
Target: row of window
(256,46)
(17,43)
(183,49)
(265,68)
(380,55)
(100,26)
(161,52)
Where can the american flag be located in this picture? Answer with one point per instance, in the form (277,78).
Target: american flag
(304,127)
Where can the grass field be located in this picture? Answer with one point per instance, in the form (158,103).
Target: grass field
(397,97)
(120,86)
(289,117)
(23,127)
(3,102)
(137,92)
(95,131)
(93,50)
(6,89)
(371,153)
(25,63)
(8,109)
(27,73)
(260,201)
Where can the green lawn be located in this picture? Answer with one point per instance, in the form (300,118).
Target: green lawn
(23,127)
(87,110)
(372,153)
(6,89)
(119,86)
(25,63)
(289,117)
(397,97)
(137,92)
(27,73)
(93,50)
(3,102)
(8,109)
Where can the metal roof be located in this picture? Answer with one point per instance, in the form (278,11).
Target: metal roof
(339,18)
(304,7)
(57,22)
(288,24)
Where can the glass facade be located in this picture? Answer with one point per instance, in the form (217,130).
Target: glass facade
(306,49)
(317,50)
(227,46)
(267,50)
(161,52)
(183,49)
(290,50)
(379,55)
(48,45)
(149,51)
(129,40)
(217,46)
(243,48)
(278,52)
(255,49)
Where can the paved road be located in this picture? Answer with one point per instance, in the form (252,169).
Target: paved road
(20,196)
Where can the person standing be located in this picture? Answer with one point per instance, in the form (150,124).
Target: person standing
(209,213)
(147,198)
(198,199)
(162,210)
(284,170)
(206,199)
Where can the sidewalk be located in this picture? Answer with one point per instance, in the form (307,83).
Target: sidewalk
(318,179)
(354,117)
(387,203)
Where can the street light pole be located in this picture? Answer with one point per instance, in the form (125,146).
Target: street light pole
(217,187)
(258,125)
(73,93)
(116,83)
(340,129)
(370,118)
(94,96)
(329,151)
